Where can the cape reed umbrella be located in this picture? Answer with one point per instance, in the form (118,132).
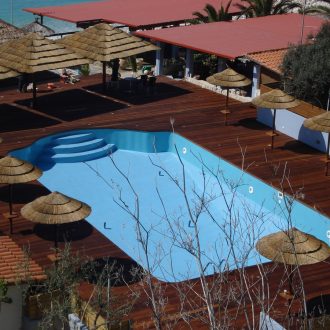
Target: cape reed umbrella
(55,209)
(34,53)
(229,79)
(14,170)
(293,247)
(277,100)
(104,43)
(321,123)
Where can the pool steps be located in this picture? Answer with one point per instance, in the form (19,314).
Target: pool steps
(75,148)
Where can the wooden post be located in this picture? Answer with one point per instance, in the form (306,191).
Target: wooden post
(104,76)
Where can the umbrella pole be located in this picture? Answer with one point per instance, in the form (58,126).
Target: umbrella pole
(10,199)
(34,92)
(56,238)
(273,132)
(327,156)
(226,111)
(104,76)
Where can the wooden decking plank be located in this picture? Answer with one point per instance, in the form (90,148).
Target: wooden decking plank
(197,116)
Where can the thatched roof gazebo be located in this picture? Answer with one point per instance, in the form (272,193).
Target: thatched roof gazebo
(34,53)
(7,73)
(36,27)
(104,43)
(9,32)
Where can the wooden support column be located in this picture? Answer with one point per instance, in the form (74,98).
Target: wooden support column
(256,80)
(159,59)
(189,63)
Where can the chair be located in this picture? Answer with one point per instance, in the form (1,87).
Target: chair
(152,84)
(144,81)
(147,68)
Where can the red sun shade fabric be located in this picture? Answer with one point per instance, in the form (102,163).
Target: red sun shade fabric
(237,38)
(132,13)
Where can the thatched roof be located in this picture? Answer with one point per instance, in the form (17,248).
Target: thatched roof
(228,78)
(55,208)
(35,53)
(7,73)
(102,42)
(276,99)
(36,27)
(14,170)
(319,123)
(293,247)
(9,31)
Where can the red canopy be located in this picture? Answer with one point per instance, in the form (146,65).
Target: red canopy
(237,38)
(133,13)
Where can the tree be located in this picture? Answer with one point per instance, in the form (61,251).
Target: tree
(58,295)
(212,14)
(306,69)
(257,8)
(322,7)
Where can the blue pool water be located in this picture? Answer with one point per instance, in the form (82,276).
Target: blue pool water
(134,182)
(12,10)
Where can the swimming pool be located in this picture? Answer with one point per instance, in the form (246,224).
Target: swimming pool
(161,191)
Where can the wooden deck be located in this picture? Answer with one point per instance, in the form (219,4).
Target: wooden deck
(196,116)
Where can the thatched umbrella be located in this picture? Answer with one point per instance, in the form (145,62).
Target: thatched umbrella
(275,99)
(9,32)
(104,43)
(12,171)
(55,209)
(36,27)
(293,247)
(321,123)
(7,73)
(229,79)
(34,53)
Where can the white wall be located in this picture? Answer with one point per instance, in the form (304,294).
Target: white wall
(11,314)
(291,124)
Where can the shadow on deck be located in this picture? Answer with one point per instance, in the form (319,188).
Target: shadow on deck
(136,95)
(73,104)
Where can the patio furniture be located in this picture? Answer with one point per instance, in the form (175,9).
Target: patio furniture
(151,84)
(102,42)
(34,53)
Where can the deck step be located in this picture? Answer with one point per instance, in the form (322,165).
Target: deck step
(76,147)
(73,138)
(78,156)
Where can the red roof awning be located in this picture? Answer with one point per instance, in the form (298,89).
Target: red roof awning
(237,38)
(133,13)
